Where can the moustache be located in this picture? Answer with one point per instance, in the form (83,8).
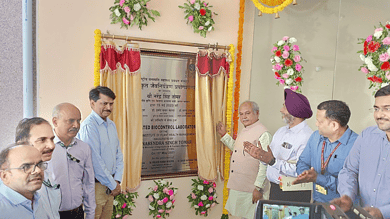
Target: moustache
(73,130)
(382,119)
(47,151)
(107,111)
(35,177)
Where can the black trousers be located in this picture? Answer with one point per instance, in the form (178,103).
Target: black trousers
(296,196)
(77,213)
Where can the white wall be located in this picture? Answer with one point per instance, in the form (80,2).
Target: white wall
(327,33)
(66,55)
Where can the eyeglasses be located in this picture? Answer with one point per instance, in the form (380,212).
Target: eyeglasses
(29,168)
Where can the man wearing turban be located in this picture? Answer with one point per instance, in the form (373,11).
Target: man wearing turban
(287,145)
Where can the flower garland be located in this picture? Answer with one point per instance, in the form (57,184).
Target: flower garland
(238,68)
(203,196)
(123,204)
(130,12)
(229,108)
(286,65)
(200,16)
(274,10)
(162,198)
(376,56)
(98,47)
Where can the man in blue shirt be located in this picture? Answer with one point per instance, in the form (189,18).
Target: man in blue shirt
(366,172)
(326,150)
(22,172)
(100,133)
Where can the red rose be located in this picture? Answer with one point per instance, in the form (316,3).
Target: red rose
(298,79)
(202,11)
(278,53)
(370,79)
(365,48)
(373,46)
(288,62)
(277,74)
(385,66)
(388,26)
(377,79)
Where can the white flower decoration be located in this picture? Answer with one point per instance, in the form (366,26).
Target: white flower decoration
(289,81)
(151,207)
(169,204)
(372,67)
(378,34)
(115,202)
(175,191)
(203,197)
(277,59)
(207,23)
(215,195)
(362,57)
(163,182)
(384,84)
(200,187)
(290,71)
(273,70)
(280,42)
(210,28)
(197,6)
(368,60)
(292,40)
(117,13)
(137,7)
(286,87)
(388,51)
(208,205)
(195,206)
(156,195)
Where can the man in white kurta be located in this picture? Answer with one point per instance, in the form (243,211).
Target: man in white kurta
(247,176)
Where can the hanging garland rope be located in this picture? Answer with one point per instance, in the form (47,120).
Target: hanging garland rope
(281,4)
(229,107)
(225,214)
(98,45)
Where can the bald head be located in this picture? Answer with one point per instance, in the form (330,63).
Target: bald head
(66,121)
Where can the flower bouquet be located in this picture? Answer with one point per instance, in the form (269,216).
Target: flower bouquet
(162,198)
(123,204)
(200,16)
(376,55)
(130,12)
(286,65)
(203,196)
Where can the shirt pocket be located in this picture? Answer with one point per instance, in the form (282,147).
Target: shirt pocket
(284,153)
(335,165)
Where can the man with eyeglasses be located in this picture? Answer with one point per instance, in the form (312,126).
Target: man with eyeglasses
(366,173)
(22,173)
(39,134)
(71,165)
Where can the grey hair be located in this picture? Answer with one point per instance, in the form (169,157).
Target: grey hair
(254,105)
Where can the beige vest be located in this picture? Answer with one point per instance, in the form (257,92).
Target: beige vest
(244,169)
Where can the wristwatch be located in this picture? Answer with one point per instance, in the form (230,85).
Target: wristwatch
(272,162)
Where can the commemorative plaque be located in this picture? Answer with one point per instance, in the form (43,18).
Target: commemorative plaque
(168,113)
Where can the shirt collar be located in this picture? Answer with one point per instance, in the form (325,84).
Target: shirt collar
(298,127)
(380,132)
(343,139)
(249,126)
(15,197)
(57,140)
(99,119)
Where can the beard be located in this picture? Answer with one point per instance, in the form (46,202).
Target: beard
(287,118)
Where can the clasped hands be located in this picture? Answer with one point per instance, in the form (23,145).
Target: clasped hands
(117,189)
(258,152)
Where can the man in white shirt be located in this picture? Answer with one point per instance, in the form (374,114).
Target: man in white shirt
(287,145)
